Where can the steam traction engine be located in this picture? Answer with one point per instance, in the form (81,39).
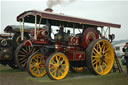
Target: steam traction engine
(81,46)
(9,42)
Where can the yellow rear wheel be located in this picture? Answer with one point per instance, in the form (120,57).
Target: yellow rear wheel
(36,65)
(100,57)
(57,66)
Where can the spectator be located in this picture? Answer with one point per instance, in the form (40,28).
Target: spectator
(125,50)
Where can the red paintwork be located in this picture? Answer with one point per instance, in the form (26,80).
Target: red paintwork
(79,55)
(75,55)
(59,47)
(74,40)
(72,51)
(40,42)
(70,55)
(39,33)
(89,35)
(42,36)
(72,48)
(28,43)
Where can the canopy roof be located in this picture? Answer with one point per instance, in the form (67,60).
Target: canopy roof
(60,19)
(16,28)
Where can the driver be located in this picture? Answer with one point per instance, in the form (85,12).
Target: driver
(61,34)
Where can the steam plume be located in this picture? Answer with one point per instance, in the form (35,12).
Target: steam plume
(51,3)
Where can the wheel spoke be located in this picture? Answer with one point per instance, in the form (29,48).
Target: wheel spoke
(100,48)
(54,70)
(101,68)
(96,67)
(106,50)
(58,72)
(96,51)
(38,59)
(38,70)
(55,73)
(24,50)
(22,56)
(63,67)
(34,49)
(99,62)
(93,60)
(61,62)
(33,68)
(52,64)
(35,59)
(29,49)
(53,61)
(106,54)
(23,61)
(95,56)
(104,64)
(24,64)
(33,63)
(57,59)
(103,46)
(41,60)
(52,67)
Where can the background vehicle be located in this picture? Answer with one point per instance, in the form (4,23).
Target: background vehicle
(83,45)
(123,60)
(8,43)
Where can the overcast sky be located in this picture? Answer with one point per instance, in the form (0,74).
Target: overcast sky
(114,11)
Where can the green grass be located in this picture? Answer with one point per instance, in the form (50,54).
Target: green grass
(17,77)
(110,79)
(7,69)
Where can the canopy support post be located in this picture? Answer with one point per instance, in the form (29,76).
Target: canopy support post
(22,29)
(35,31)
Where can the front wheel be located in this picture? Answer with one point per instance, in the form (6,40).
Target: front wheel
(36,65)
(100,57)
(57,66)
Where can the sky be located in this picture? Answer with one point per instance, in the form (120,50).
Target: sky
(113,11)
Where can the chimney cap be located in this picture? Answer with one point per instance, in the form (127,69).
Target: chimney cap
(48,10)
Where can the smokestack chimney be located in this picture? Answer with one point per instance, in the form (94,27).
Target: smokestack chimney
(48,10)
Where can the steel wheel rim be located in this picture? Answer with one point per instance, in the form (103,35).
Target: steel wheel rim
(24,54)
(58,66)
(37,65)
(102,57)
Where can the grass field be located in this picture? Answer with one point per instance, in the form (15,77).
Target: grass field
(10,76)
